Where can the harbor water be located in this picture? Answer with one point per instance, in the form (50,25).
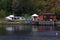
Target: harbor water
(29,32)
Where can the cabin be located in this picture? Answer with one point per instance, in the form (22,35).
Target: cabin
(44,17)
(35,17)
(47,17)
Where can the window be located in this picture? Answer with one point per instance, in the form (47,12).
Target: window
(44,16)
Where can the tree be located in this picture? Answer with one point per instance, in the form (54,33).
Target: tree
(2,13)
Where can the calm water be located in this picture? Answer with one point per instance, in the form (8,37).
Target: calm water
(30,32)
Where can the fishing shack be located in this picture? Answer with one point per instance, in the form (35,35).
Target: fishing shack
(35,19)
(47,19)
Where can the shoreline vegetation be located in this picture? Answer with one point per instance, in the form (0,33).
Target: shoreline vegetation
(21,22)
(17,22)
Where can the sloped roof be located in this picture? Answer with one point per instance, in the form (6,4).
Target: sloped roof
(34,15)
(48,14)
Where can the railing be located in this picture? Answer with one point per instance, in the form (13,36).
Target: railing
(57,23)
(40,22)
(28,21)
(46,22)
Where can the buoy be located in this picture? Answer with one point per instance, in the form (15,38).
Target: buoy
(56,34)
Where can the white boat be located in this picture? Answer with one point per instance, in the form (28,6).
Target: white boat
(14,18)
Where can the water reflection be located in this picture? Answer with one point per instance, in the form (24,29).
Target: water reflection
(9,29)
(28,32)
(21,29)
(34,28)
(45,28)
(18,29)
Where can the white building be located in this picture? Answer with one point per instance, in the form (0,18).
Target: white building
(35,17)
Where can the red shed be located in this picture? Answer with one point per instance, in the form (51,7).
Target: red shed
(48,17)
(41,18)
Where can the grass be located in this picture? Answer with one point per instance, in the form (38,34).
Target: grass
(15,22)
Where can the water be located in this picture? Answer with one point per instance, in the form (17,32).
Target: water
(27,37)
(29,34)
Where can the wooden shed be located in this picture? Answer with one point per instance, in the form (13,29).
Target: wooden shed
(48,17)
